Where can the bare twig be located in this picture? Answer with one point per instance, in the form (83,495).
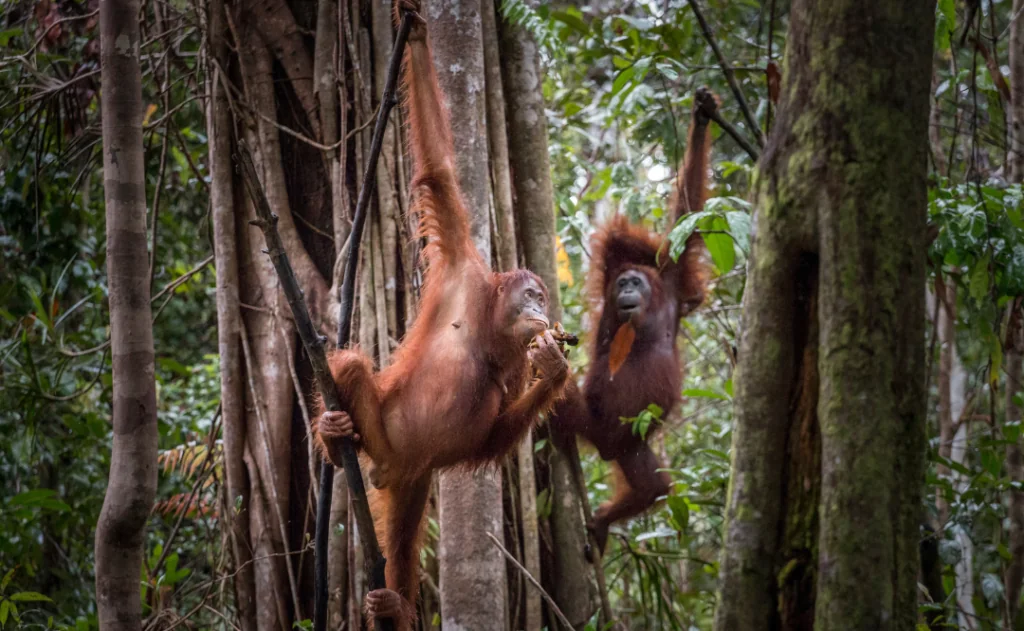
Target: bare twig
(730,76)
(551,602)
(740,139)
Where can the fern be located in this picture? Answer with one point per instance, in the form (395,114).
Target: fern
(519,13)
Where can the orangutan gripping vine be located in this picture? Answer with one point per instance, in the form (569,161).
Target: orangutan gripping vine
(458,392)
(641,294)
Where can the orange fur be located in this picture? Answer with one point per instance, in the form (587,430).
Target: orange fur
(456,393)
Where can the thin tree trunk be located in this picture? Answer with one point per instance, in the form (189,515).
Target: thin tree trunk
(131,487)
(337,553)
(1015,452)
(232,379)
(389,212)
(827,233)
(505,244)
(1014,575)
(472,571)
(574,591)
(497,135)
(953,446)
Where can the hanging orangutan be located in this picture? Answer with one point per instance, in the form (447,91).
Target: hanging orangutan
(640,294)
(459,391)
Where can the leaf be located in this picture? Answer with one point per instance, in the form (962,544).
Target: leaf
(5,36)
(774,81)
(5,609)
(6,580)
(720,246)
(539,445)
(677,238)
(572,20)
(562,259)
(739,228)
(680,511)
(950,551)
(945,23)
(979,279)
(30,597)
(992,587)
(704,394)
(621,345)
(622,79)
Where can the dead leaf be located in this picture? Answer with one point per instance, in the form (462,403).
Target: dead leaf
(774,81)
(621,344)
(150,110)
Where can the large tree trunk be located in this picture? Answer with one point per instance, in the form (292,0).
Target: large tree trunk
(131,487)
(472,570)
(574,592)
(834,313)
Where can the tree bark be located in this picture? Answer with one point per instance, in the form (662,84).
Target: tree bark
(232,379)
(472,571)
(131,488)
(574,591)
(854,112)
(953,439)
(505,235)
(505,246)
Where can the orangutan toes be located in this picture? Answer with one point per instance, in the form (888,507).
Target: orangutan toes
(383,603)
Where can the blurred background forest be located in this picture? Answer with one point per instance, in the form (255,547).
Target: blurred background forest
(617,80)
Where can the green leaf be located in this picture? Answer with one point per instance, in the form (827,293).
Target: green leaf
(5,610)
(5,36)
(572,20)
(945,23)
(992,462)
(677,238)
(739,228)
(622,79)
(30,597)
(704,394)
(539,445)
(6,580)
(979,279)
(680,512)
(720,246)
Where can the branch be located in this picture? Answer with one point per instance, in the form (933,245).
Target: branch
(740,139)
(558,612)
(730,76)
(573,455)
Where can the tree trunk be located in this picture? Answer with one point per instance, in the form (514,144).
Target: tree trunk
(232,379)
(472,571)
(505,245)
(837,258)
(131,487)
(1015,452)
(953,437)
(574,591)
